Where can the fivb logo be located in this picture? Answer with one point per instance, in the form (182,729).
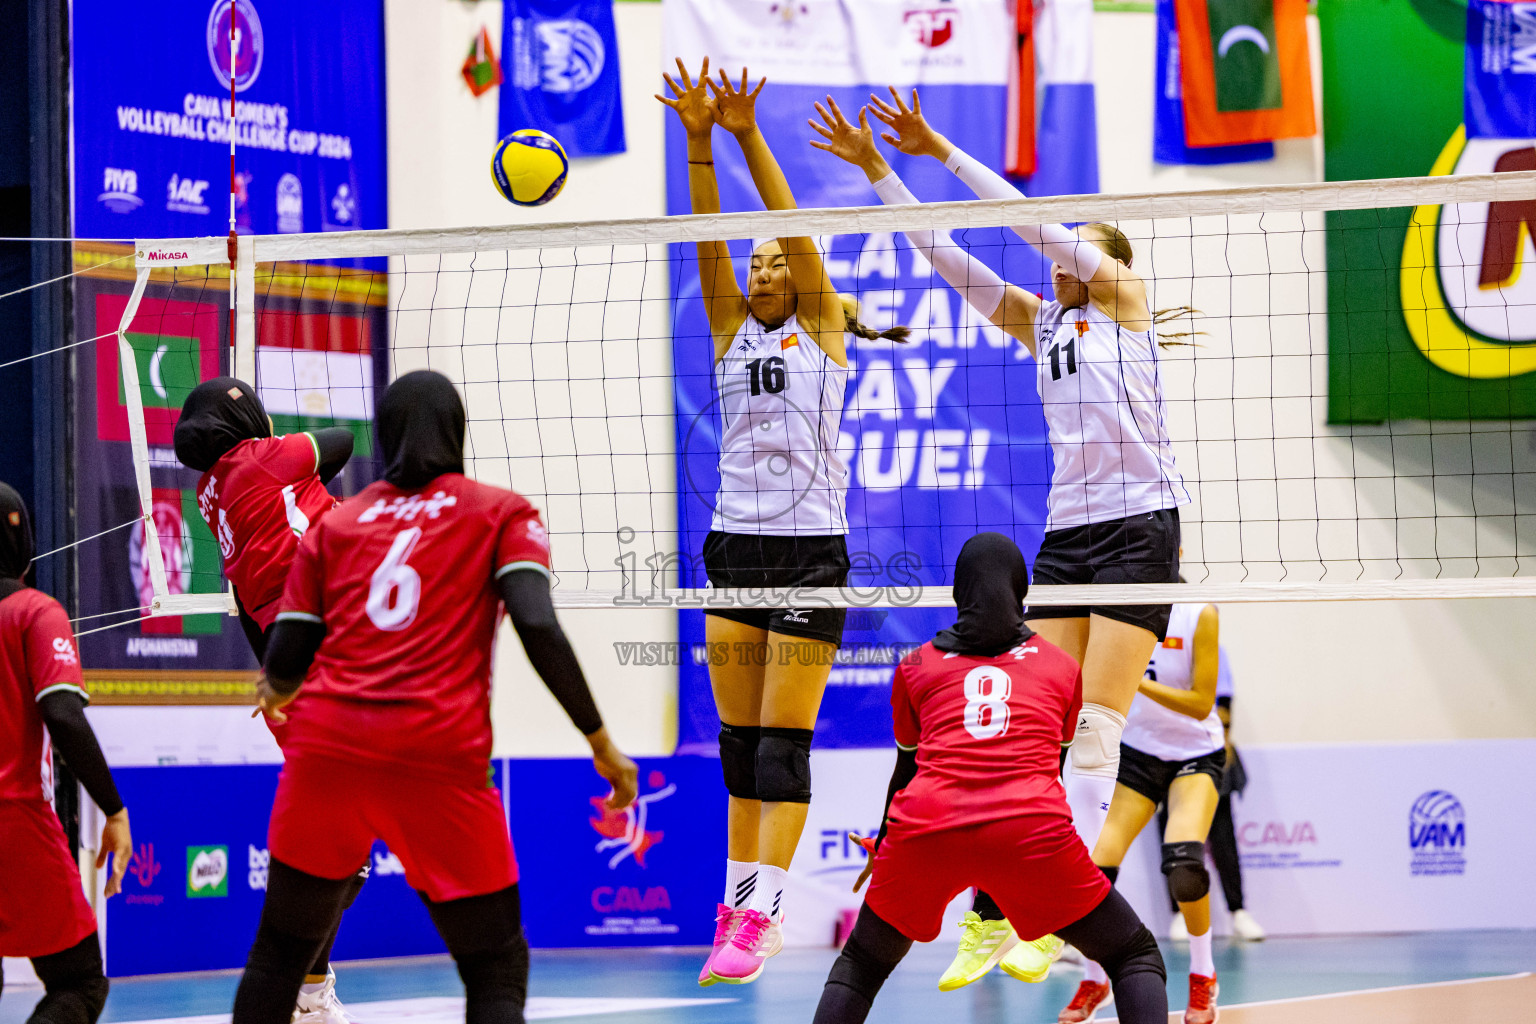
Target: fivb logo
(120,190)
(1467,305)
(1437,834)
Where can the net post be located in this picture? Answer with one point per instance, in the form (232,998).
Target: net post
(139,440)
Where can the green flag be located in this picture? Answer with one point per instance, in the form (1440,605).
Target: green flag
(169,368)
(1247,61)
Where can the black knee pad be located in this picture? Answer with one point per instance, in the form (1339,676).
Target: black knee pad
(76,988)
(1111,872)
(784,766)
(738,759)
(1184,864)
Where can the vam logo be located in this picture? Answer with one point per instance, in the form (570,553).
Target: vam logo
(120,190)
(1437,834)
(247,42)
(1468,305)
(185,195)
(290,204)
(931,27)
(207,871)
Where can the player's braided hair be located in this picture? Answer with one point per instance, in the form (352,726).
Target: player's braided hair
(1118,247)
(900,334)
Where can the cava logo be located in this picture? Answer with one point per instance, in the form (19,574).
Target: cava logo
(1437,834)
(1468,305)
(207,871)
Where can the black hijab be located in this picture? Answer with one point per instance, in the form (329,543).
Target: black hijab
(990,583)
(16,548)
(217,415)
(421,429)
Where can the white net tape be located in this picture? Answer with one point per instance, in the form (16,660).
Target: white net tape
(561,338)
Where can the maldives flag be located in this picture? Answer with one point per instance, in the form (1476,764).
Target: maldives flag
(1246,72)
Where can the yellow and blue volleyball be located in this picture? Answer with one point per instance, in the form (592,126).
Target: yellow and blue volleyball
(529,167)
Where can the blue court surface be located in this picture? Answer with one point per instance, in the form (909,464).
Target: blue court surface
(660,986)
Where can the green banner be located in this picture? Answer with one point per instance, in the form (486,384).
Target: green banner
(1247,61)
(1428,313)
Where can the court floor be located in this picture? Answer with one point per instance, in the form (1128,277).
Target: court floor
(659,986)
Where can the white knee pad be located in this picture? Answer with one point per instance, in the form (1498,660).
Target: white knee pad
(1096,749)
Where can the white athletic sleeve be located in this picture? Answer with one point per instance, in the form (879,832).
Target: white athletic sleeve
(974,280)
(1078,257)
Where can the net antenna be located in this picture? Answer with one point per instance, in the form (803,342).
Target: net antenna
(537,326)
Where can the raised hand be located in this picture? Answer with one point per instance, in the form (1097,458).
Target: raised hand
(842,139)
(912,133)
(690,100)
(735,107)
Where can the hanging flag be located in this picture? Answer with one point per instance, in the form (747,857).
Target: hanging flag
(1067,139)
(1168,145)
(1246,71)
(1019,155)
(1501,70)
(482,71)
(563,59)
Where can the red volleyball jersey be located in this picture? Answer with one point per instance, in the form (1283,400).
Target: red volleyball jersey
(37,657)
(405,583)
(988,733)
(259,499)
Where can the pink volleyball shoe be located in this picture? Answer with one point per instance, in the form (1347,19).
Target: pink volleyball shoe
(754,939)
(725,920)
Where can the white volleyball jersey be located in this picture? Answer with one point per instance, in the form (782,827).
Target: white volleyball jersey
(1163,732)
(1103,404)
(781,403)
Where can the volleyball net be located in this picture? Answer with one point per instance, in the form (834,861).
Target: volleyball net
(587,369)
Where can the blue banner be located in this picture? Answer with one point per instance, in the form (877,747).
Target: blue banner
(562,74)
(590,877)
(1501,70)
(1168,145)
(596,877)
(151,108)
(195,885)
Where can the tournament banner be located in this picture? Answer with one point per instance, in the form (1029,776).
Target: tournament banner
(592,876)
(1501,70)
(150,102)
(1246,71)
(1168,144)
(562,74)
(942,436)
(195,884)
(1429,315)
(1422,843)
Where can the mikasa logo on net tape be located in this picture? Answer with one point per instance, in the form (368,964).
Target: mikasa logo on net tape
(162,255)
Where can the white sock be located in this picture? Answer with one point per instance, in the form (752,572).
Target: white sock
(1089,797)
(768,898)
(740,883)
(1200,961)
(1093,972)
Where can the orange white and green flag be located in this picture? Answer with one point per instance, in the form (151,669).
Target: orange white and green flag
(1246,71)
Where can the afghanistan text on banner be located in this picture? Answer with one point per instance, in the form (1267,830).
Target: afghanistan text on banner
(1168,145)
(1246,71)
(937,434)
(1501,70)
(562,59)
